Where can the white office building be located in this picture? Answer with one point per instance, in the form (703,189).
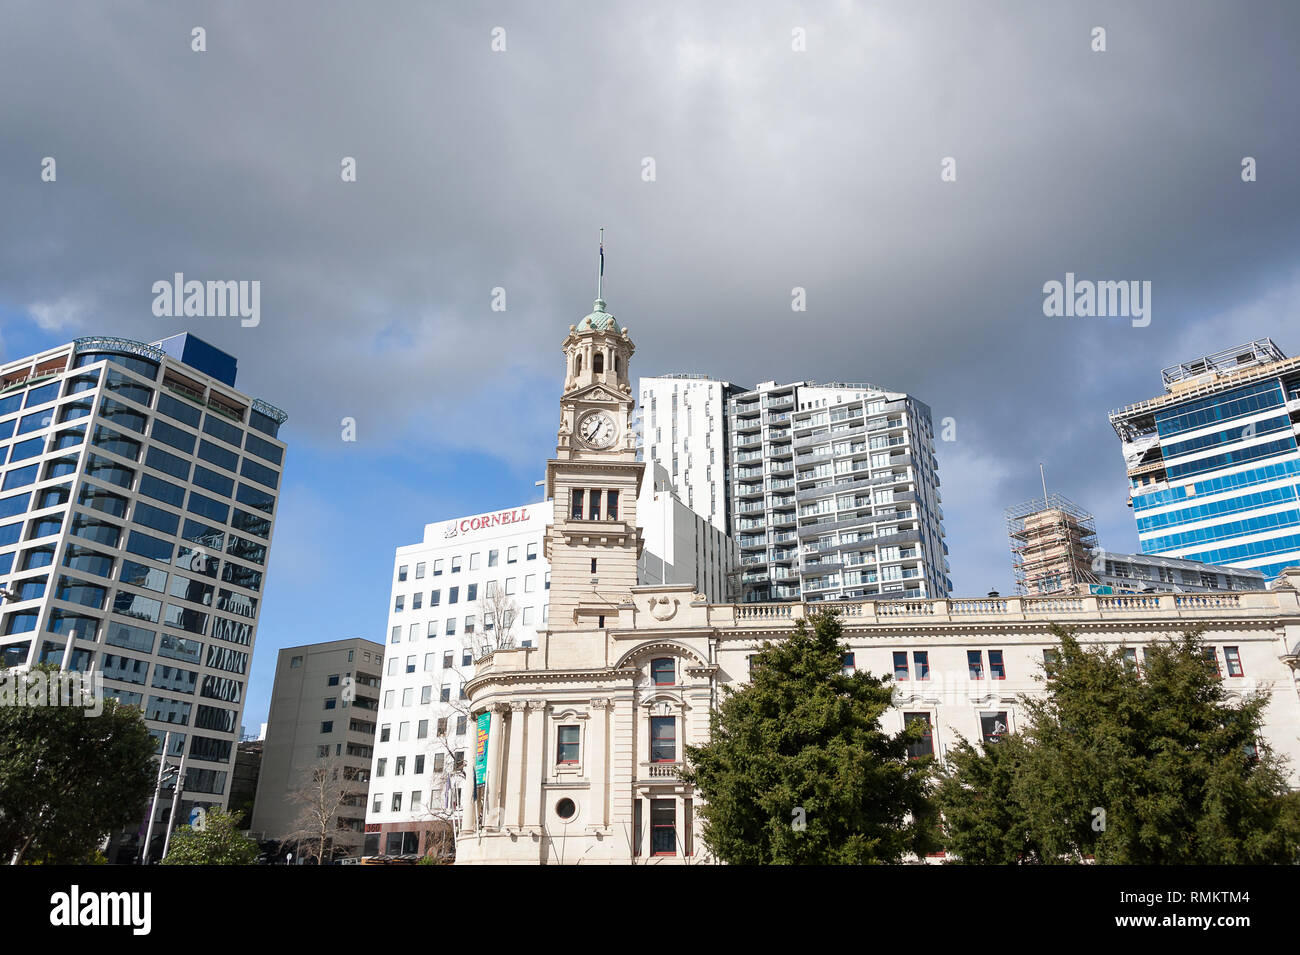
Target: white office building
(680,545)
(474,584)
(137,505)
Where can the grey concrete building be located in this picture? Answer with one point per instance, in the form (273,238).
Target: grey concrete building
(323,714)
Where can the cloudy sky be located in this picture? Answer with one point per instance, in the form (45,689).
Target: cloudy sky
(774,168)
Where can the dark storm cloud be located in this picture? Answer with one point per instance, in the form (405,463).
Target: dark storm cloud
(775,169)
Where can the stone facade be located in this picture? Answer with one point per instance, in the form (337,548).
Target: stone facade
(589,727)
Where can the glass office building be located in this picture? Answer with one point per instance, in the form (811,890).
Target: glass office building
(138,493)
(1213,463)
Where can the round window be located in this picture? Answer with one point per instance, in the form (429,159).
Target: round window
(565,808)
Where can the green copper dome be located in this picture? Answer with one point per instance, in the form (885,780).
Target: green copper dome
(599,320)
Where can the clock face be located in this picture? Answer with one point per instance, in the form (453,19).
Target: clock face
(597,429)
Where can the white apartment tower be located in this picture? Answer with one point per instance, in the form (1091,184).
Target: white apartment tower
(683,428)
(835,494)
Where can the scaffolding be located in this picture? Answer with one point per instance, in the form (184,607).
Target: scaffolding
(1053,541)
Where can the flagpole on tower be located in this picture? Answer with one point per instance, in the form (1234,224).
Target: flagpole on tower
(600,274)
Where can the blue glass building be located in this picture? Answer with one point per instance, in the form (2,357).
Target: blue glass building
(1213,463)
(138,494)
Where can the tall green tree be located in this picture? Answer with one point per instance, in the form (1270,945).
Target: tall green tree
(1131,764)
(984,821)
(214,841)
(67,778)
(798,769)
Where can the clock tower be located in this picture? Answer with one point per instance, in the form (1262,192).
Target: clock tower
(593,543)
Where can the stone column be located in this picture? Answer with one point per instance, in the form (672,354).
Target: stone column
(514,801)
(597,762)
(536,761)
(496,766)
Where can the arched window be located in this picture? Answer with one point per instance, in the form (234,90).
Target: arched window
(616,367)
(663,671)
(577,365)
(598,362)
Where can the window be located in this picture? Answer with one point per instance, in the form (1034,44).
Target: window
(401,572)
(530,583)
(334,677)
(900,665)
(996,667)
(1051,660)
(447,659)
(421,732)
(593,511)
(593,565)
(663,739)
(848,664)
(397,802)
(381,768)
(378,804)
(435,597)
(975,664)
(327,726)
(1232,657)
(1131,658)
(410,664)
(663,671)
(419,572)
(566,750)
(510,586)
(924,746)
(444,694)
(400,768)
(466,658)
(611,505)
(993,726)
(417,600)
(396,635)
(453,595)
(921,658)
(419,760)
(399,604)
(512,555)
(461,723)
(437,568)
(471,592)
(437,762)
(442,726)
(576,497)
(455,565)
(384,732)
(1212,658)
(532,552)
(492,558)
(331,702)
(663,827)
(473,561)
(469,623)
